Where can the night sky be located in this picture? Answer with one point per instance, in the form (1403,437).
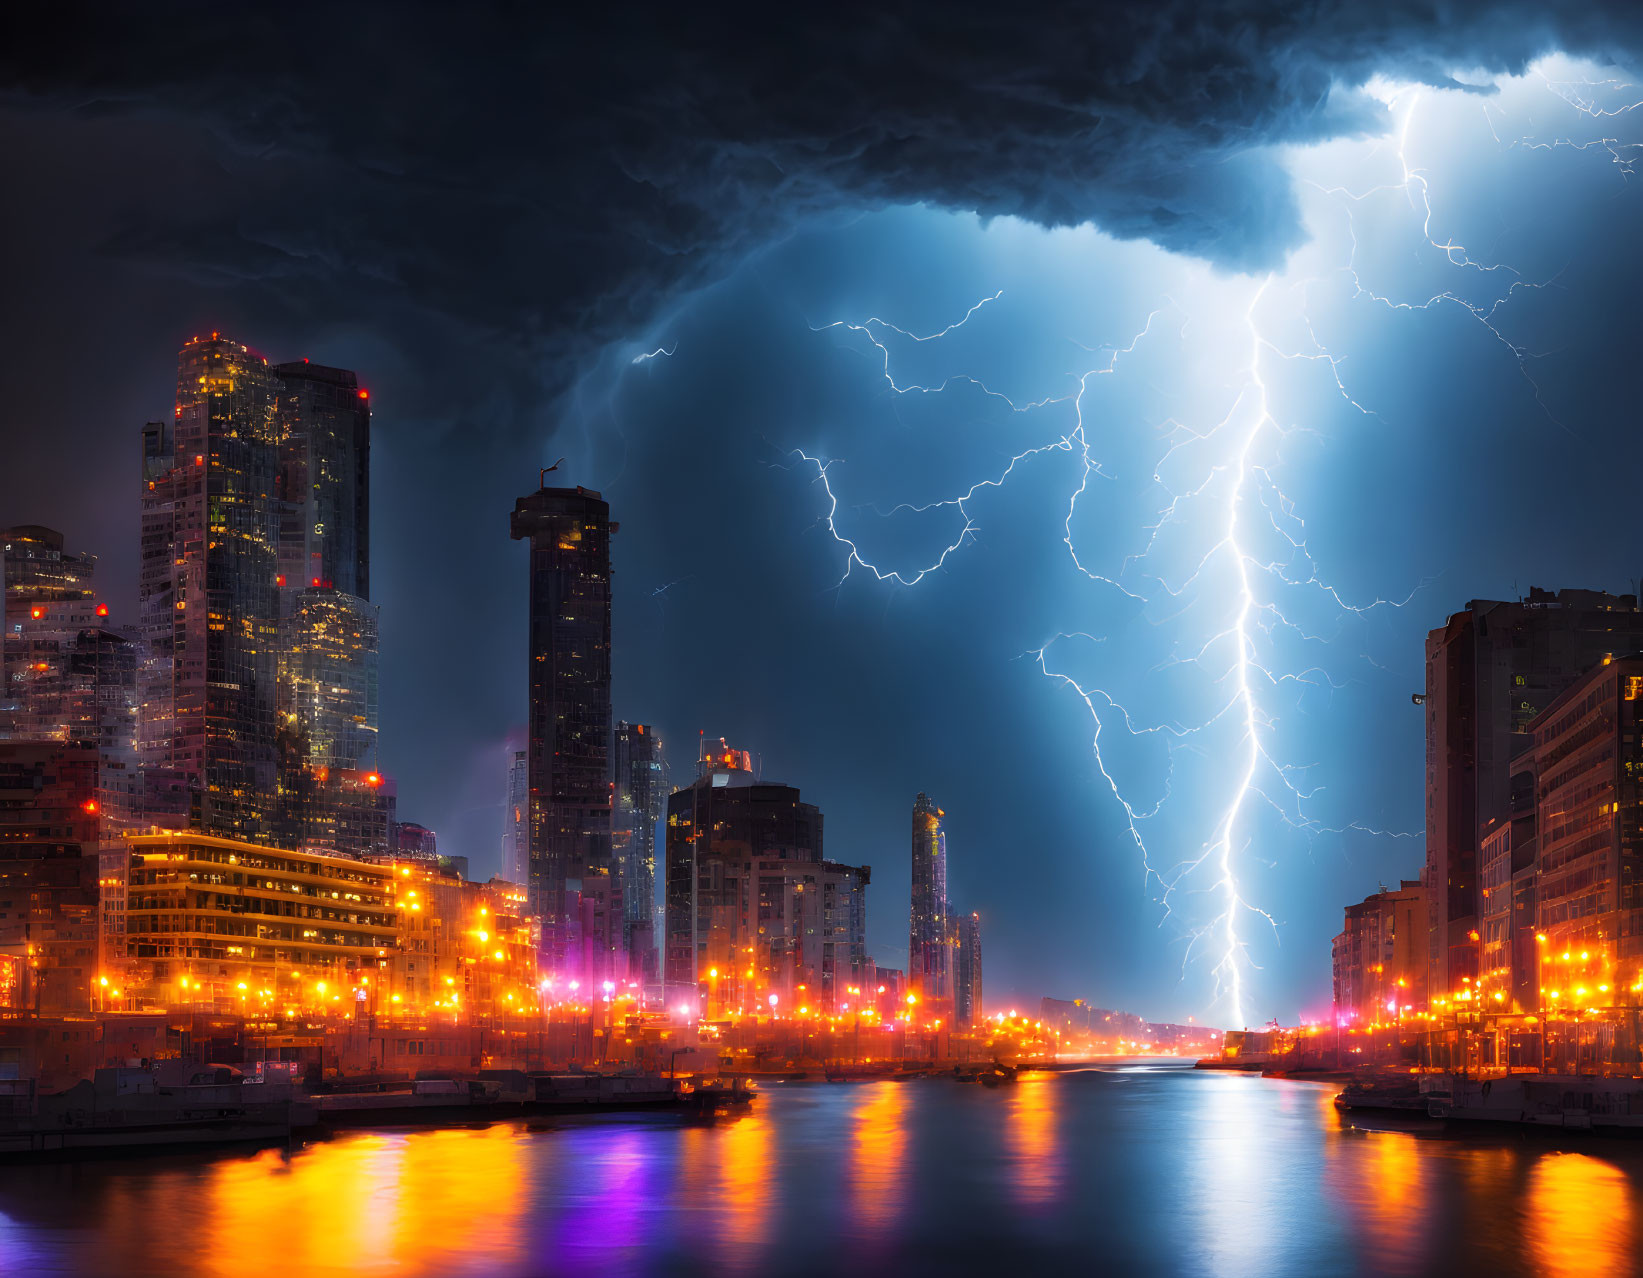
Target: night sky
(1362,280)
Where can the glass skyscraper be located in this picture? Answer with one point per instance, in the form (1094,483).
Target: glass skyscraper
(639,798)
(209,611)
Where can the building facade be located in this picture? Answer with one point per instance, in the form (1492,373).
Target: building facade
(1489,671)
(50,828)
(930,935)
(748,891)
(207,589)
(1588,769)
(967,1005)
(1380,957)
(223,923)
(324,479)
(639,799)
(516,856)
(571,884)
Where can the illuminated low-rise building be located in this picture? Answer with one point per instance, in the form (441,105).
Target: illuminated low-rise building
(220,922)
(465,948)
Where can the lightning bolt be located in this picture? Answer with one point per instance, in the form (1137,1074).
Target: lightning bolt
(1238,484)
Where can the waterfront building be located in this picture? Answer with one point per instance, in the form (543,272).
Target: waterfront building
(570,881)
(1380,957)
(463,947)
(224,923)
(1508,965)
(1588,762)
(639,797)
(753,910)
(207,587)
(50,827)
(930,935)
(1490,669)
(967,1005)
(516,857)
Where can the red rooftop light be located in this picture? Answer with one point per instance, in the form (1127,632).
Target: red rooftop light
(102,610)
(89,806)
(365,394)
(373,779)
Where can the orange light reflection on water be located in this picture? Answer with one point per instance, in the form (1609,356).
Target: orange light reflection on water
(1031,1140)
(745,1179)
(878,1147)
(405,1203)
(1579,1216)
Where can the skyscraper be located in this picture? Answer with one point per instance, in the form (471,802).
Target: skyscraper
(929,951)
(967,1007)
(328,627)
(516,829)
(639,796)
(1489,670)
(571,887)
(324,479)
(210,532)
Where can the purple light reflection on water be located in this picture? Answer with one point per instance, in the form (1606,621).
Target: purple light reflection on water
(1155,1171)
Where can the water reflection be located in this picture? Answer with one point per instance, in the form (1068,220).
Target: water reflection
(1153,1173)
(878,1145)
(1579,1216)
(376,1201)
(745,1180)
(1030,1134)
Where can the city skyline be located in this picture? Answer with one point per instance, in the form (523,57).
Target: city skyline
(1405,388)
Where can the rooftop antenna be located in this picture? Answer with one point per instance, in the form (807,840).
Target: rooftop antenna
(548,470)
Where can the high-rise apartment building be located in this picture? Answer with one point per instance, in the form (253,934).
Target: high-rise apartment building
(571,886)
(210,533)
(639,797)
(930,935)
(1489,671)
(967,982)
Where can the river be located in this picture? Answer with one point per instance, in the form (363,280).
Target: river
(1143,1170)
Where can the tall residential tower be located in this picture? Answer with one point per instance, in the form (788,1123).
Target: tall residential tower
(571,886)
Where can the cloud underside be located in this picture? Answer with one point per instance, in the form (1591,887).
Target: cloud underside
(558,181)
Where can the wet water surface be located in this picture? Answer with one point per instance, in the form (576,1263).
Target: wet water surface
(1148,1171)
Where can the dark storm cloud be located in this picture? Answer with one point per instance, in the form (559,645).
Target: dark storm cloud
(550,182)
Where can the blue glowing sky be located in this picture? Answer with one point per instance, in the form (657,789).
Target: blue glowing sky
(1299,435)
